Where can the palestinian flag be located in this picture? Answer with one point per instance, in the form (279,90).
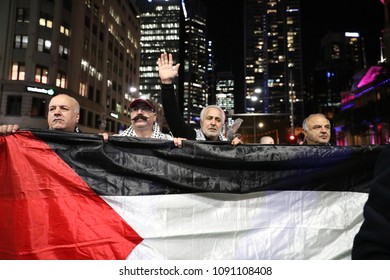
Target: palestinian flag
(72,196)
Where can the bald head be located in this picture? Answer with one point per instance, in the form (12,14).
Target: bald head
(64,113)
(267,140)
(316,128)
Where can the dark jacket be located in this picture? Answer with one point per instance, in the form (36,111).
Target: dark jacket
(373,239)
(174,118)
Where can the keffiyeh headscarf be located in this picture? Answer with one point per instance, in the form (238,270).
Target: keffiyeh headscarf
(200,136)
(156,133)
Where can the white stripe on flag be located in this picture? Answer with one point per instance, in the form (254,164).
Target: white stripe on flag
(262,225)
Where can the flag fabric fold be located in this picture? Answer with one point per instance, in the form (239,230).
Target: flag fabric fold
(73,196)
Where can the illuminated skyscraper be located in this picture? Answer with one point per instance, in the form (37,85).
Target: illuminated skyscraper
(194,60)
(273,57)
(179,27)
(225,91)
(211,73)
(160,31)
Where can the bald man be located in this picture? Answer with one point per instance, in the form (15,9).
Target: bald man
(63,114)
(267,140)
(316,128)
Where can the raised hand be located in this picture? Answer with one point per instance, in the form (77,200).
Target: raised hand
(166,70)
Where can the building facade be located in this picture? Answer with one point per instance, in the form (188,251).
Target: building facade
(160,31)
(88,49)
(341,56)
(364,118)
(225,91)
(178,27)
(273,67)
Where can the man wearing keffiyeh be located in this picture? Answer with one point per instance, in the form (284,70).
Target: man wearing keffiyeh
(143,121)
(212,117)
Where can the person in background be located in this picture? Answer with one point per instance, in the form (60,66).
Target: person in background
(267,140)
(212,117)
(372,242)
(63,115)
(316,128)
(144,122)
(300,138)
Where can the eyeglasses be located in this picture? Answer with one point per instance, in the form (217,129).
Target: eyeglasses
(143,109)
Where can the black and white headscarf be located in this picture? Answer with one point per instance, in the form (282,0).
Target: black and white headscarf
(200,136)
(156,133)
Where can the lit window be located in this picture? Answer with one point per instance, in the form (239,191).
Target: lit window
(84,64)
(21,41)
(41,74)
(18,71)
(46,20)
(83,89)
(99,76)
(65,30)
(63,51)
(61,80)
(92,71)
(44,45)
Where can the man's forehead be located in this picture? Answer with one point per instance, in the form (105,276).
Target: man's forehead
(319,121)
(140,105)
(213,112)
(60,100)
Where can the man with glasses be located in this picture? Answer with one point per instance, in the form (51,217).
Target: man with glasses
(143,121)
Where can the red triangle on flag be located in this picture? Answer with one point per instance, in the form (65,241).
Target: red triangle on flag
(49,212)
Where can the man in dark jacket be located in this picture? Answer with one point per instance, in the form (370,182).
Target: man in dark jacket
(373,239)
(212,117)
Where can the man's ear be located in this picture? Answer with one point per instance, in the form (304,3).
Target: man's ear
(77,117)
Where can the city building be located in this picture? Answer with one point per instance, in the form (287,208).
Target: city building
(273,53)
(364,118)
(160,31)
(178,27)
(225,92)
(341,56)
(211,73)
(88,49)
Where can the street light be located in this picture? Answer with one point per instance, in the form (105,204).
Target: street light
(292,138)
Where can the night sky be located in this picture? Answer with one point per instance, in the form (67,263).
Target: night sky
(318,17)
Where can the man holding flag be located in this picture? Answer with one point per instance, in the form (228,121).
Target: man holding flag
(63,115)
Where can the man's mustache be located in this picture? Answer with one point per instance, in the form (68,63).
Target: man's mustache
(139,117)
